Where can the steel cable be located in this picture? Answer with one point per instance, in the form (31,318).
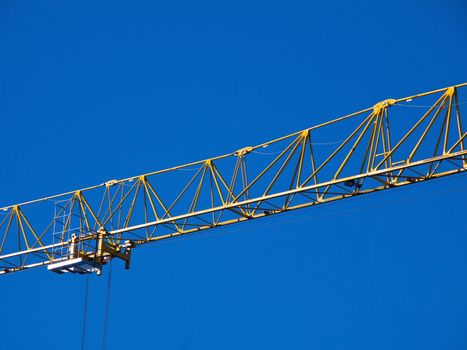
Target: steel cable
(107,307)
(85,312)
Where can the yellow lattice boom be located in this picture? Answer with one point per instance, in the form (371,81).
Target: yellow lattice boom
(396,142)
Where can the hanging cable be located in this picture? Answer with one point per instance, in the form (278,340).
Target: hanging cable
(107,305)
(404,104)
(307,217)
(313,144)
(85,312)
(188,169)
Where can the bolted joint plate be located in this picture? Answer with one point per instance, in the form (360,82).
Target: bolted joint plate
(383,104)
(450,91)
(243,151)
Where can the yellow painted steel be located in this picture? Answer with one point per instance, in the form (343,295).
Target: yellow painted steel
(107,221)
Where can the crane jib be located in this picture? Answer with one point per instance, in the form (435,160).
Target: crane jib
(382,147)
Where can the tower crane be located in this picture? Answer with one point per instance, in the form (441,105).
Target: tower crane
(395,143)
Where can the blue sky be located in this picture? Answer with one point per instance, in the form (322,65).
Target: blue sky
(94,91)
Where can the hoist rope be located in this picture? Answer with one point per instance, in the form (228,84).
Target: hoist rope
(107,306)
(85,312)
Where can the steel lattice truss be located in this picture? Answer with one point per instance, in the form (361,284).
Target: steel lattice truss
(397,142)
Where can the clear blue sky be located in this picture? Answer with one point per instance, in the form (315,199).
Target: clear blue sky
(91,91)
